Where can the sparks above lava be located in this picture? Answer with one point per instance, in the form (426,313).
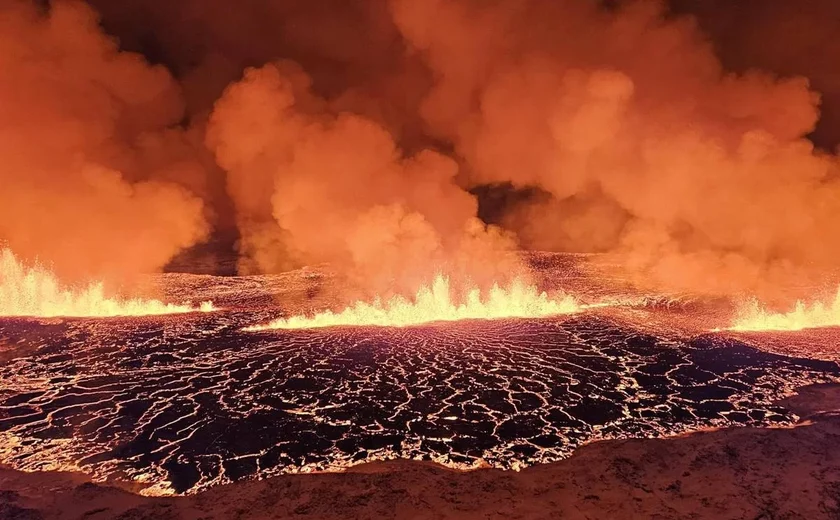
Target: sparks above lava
(437,303)
(754,317)
(35,291)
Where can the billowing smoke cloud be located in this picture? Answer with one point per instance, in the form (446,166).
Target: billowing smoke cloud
(699,178)
(788,38)
(313,185)
(358,127)
(352,50)
(94,178)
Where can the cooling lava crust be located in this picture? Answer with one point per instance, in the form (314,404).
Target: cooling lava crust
(181,403)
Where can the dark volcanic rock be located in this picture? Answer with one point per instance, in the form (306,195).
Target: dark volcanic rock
(724,474)
(189,402)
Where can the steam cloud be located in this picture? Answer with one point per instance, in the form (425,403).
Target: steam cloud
(351,132)
(702,179)
(311,185)
(95,173)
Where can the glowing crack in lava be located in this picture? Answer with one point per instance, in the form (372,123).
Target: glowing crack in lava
(36,292)
(755,317)
(436,303)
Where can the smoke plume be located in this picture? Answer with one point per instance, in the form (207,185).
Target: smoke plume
(355,133)
(95,174)
(311,185)
(788,38)
(700,179)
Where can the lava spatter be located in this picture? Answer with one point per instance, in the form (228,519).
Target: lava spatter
(753,316)
(437,302)
(182,405)
(34,291)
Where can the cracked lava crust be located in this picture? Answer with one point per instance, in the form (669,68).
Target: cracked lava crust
(181,403)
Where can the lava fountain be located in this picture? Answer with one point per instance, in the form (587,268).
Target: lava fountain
(36,292)
(818,314)
(436,302)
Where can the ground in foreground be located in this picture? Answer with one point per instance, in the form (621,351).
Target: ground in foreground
(730,473)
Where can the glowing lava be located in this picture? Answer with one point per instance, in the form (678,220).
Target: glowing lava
(754,317)
(437,303)
(35,291)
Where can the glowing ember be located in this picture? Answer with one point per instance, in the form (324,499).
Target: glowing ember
(754,317)
(436,303)
(35,291)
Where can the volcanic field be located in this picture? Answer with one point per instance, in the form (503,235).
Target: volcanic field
(180,403)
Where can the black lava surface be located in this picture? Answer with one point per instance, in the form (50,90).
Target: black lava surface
(187,402)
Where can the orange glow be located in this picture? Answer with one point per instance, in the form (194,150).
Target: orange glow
(35,291)
(436,303)
(754,317)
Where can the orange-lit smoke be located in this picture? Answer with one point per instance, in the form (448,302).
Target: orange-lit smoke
(313,185)
(93,171)
(699,179)
(789,38)
(356,129)
(34,291)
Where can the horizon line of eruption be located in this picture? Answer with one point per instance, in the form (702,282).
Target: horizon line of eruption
(36,292)
(754,317)
(435,303)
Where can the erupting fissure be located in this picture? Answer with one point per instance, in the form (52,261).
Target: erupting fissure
(35,291)
(753,316)
(436,302)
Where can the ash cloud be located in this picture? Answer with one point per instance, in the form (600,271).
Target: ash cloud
(668,136)
(788,38)
(312,184)
(699,178)
(96,177)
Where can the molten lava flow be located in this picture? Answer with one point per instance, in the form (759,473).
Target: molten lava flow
(754,317)
(35,291)
(435,303)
